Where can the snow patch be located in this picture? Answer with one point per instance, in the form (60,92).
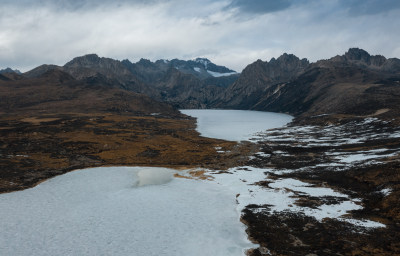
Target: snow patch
(353,158)
(386,191)
(280,195)
(364,223)
(217,74)
(202,61)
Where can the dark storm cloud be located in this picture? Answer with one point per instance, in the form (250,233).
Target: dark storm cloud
(369,7)
(74,5)
(233,33)
(260,6)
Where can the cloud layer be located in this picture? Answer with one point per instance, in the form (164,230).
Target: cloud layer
(229,32)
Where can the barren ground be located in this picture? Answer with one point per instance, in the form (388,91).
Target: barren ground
(35,148)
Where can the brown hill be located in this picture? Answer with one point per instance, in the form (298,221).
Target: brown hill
(56,91)
(53,123)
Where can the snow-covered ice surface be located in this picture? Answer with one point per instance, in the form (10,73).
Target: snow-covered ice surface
(235,125)
(103,211)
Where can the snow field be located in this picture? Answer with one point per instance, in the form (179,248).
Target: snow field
(102,211)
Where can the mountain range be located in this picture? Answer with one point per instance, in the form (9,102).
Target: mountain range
(355,83)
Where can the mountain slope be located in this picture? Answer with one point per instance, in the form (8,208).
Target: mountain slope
(56,91)
(258,77)
(185,84)
(355,83)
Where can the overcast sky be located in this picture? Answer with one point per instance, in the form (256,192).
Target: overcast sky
(233,33)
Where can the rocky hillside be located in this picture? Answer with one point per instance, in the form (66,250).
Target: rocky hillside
(56,91)
(355,83)
(362,59)
(258,77)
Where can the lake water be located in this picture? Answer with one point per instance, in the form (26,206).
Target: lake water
(134,210)
(235,125)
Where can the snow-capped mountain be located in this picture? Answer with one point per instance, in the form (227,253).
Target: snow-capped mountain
(202,68)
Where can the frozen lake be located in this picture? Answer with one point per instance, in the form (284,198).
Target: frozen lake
(147,211)
(121,211)
(235,125)
(136,210)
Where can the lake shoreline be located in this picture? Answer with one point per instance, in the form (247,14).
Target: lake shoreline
(298,152)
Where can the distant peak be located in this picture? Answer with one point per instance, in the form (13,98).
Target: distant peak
(10,70)
(145,62)
(357,54)
(85,60)
(126,61)
(357,50)
(165,61)
(288,56)
(91,56)
(203,61)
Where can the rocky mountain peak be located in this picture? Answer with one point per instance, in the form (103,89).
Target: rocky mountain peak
(203,61)
(290,61)
(145,63)
(357,54)
(10,70)
(284,67)
(288,57)
(259,76)
(362,59)
(91,65)
(86,60)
